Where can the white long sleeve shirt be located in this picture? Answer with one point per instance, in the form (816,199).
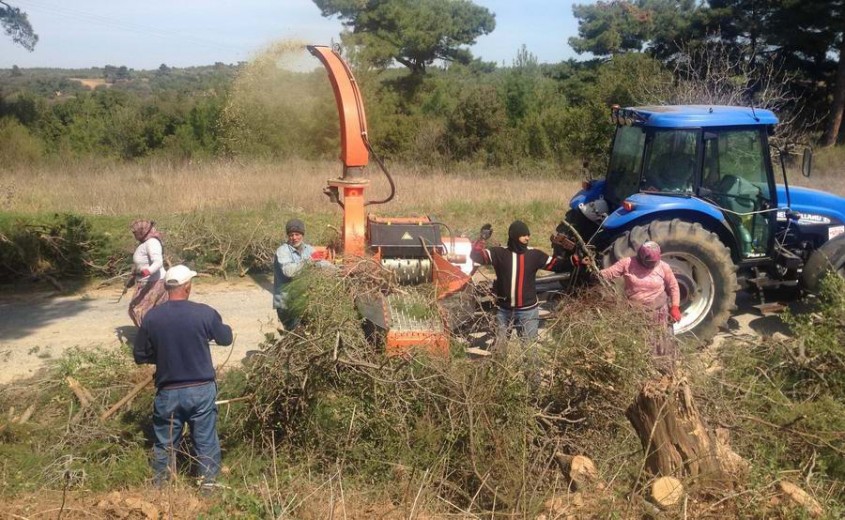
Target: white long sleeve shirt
(148,255)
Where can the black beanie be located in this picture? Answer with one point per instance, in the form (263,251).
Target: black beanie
(294,225)
(518,229)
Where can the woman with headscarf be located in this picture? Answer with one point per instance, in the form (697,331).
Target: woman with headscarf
(516,269)
(147,270)
(650,283)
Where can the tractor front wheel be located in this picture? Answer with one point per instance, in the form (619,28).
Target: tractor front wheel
(702,265)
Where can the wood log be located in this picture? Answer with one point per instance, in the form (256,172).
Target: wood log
(801,498)
(26,414)
(79,391)
(674,437)
(666,492)
(128,397)
(578,469)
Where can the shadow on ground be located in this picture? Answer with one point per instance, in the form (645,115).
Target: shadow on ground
(766,319)
(263,280)
(126,333)
(21,316)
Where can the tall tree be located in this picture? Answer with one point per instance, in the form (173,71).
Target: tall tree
(803,38)
(16,25)
(413,33)
(618,26)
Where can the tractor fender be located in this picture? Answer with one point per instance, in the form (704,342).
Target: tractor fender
(830,257)
(652,207)
(593,192)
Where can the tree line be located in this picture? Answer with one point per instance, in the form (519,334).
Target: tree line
(429,101)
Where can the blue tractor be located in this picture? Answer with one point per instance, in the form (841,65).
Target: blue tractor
(699,181)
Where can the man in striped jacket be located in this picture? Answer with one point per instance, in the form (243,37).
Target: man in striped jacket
(516,268)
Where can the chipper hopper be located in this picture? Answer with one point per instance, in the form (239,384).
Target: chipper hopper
(412,248)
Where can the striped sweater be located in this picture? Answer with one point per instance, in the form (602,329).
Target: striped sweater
(515,285)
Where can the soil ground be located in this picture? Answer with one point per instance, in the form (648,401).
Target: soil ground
(36,327)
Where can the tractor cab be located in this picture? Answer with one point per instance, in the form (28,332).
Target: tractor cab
(715,154)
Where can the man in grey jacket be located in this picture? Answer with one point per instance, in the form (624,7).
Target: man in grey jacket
(288,262)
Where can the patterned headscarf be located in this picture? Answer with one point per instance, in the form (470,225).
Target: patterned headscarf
(144,230)
(649,254)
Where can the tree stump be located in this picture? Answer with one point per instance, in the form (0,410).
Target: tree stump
(578,469)
(675,438)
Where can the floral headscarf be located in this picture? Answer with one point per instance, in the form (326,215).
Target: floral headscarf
(144,230)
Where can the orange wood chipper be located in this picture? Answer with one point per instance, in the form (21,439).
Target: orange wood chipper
(410,247)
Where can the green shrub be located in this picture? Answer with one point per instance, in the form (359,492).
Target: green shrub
(788,395)
(64,246)
(18,147)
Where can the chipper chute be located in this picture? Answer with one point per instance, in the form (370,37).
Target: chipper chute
(412,248)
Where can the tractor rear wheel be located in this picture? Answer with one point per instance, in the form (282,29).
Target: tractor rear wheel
(702,264)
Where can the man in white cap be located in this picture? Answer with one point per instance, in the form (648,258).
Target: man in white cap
(174,337)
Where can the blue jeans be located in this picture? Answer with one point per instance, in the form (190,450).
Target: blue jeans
(525,321)
(171,410)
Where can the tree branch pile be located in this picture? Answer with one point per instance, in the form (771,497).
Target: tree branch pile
(485,433)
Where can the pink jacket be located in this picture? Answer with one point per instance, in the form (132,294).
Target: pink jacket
(643,285)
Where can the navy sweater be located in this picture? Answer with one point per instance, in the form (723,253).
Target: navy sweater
(174,337)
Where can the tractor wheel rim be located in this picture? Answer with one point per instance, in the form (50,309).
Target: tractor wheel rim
(697,289)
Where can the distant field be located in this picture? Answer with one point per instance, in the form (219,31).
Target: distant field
(91,83)
(274,190)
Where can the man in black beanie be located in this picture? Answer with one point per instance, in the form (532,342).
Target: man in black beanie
(516,269)
(288,262)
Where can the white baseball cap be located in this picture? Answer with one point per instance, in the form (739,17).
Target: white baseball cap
(178,275)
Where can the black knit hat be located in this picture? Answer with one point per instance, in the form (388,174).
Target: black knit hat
(518,229)
(294,225)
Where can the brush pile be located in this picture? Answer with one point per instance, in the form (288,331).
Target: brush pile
(479,432)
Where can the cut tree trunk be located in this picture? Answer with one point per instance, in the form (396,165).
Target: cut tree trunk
(676,441)
(578,469)
(666,492)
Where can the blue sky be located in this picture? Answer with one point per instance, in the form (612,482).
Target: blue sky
(144,34)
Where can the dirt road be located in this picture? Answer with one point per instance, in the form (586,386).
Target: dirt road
(37,327)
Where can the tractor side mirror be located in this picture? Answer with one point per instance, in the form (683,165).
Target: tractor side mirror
(807,162)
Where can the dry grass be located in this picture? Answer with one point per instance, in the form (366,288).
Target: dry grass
(294,186)
(828,171)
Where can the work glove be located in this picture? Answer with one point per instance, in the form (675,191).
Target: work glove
(675,314)
(486,232)
(578,261)
(145,273)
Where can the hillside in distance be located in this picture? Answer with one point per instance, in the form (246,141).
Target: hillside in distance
(56,82)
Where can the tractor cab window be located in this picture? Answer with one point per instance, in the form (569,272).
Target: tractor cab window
(735,178)
(625,163)
(670,162)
